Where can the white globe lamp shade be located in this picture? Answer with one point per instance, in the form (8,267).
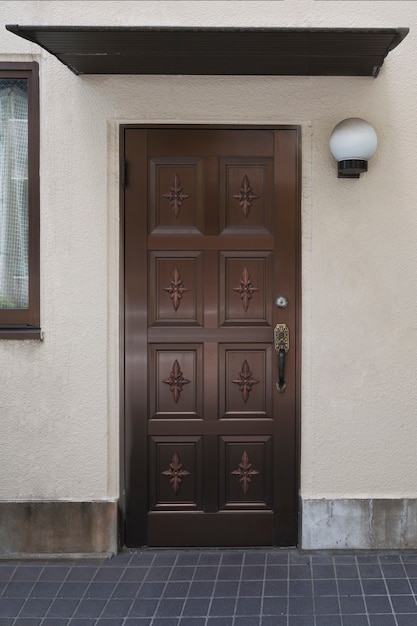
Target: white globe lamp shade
(352,143)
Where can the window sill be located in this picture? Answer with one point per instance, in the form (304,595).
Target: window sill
(21,333)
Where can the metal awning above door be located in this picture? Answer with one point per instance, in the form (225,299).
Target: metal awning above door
(216,51)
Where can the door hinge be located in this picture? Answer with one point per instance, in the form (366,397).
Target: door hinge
(123,173)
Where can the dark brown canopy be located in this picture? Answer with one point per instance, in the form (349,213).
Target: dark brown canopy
(221,51)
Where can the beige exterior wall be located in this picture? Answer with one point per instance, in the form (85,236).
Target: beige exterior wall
(59,397)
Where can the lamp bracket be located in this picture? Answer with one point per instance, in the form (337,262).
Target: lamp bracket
(351,168)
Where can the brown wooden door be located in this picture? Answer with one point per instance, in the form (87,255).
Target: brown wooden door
(211,239)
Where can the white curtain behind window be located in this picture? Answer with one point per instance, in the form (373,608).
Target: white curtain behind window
(13,195)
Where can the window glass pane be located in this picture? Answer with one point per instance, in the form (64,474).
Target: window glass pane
(14,252)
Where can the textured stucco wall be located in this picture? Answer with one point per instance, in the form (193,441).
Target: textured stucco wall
(58,401)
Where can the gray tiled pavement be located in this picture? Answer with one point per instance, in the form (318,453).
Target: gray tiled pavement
(263,587)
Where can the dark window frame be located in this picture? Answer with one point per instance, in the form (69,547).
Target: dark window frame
(25,323)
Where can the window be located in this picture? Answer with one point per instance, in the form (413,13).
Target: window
(19,200)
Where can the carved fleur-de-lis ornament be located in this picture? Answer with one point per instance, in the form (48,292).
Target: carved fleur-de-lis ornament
(245,196)
(176,196)
(245,472)
(245,381)
(176,381)
(176,289)
(175,472)
(246,289)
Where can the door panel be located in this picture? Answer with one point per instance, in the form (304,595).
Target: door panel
(178,294)
(175,473)
(175,381)
(245,284)
(175,195)
(211,239)
(245,381)
(247,476)
(241,208)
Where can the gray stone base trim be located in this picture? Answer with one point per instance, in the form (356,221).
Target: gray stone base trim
(356,524)
(58,528)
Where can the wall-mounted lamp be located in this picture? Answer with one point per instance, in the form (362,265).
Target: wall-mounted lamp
(352,143)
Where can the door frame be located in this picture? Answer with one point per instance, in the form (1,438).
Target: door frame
(124,408)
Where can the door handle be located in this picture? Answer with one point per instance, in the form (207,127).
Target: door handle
(282,345)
